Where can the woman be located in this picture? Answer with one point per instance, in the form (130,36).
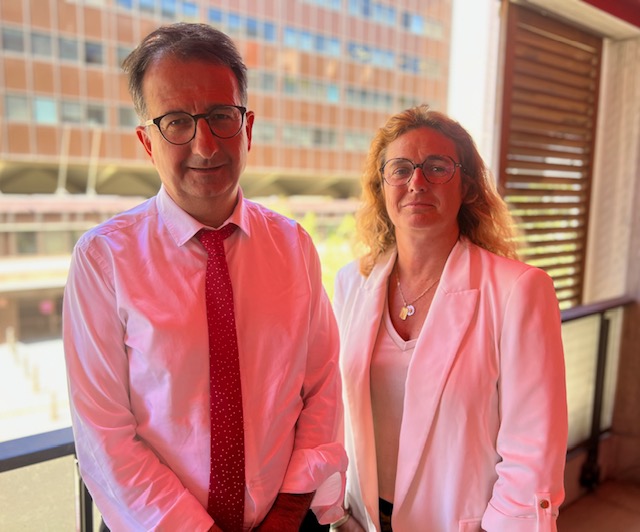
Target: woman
(452,359)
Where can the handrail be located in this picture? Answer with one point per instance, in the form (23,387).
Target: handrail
(584,311)
(34,449)
(590,473)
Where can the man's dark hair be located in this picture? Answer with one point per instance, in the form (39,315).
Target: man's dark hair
(185,42)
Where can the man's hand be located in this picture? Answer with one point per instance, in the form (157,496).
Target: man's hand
(287,513)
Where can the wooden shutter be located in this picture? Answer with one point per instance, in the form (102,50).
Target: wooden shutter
(550,100)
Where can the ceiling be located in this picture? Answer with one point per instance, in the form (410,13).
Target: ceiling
(595,19)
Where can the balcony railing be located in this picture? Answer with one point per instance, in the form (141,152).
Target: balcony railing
(48,446)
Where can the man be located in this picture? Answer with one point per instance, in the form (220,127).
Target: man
(136,331)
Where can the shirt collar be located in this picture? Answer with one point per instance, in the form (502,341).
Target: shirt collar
(182,227)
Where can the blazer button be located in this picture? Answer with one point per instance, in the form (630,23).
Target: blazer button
(544,504)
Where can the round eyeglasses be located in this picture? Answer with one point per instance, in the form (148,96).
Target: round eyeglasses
(225,121)
(437,169)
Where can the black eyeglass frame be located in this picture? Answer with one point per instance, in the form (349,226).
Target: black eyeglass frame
(156,121)
(421,166)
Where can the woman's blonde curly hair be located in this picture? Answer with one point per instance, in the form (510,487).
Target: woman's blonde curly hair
(483,217)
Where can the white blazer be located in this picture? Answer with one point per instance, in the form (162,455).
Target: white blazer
(484,429)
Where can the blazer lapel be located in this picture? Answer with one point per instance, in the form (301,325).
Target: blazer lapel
(364,322)
(451,312)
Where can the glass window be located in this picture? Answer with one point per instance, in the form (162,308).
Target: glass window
(333,93)
(55,243)
(234,23)
(190,10)
(268,81)
(122,52)
(290,37)
(127,4)
(93,53)
(406,20)
(41,44)
(96,114)
(306,41)
(269,32)
(169,8)
(252,27)
(127,117)
(44,111)
(71,112)
(417,24)
(147,6)
(334,47)
(264,133)
(216,17)
(16,108)
(354,7)
(68,49)
(26,243)
(12,40)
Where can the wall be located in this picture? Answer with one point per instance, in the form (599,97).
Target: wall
(614,240)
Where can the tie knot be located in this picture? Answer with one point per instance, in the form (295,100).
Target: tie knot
(212,240)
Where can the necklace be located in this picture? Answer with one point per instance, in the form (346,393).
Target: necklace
(408,309)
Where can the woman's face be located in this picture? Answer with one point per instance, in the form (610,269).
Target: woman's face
(420,205)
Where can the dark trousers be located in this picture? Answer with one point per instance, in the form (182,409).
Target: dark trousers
(386,509)
(310,524)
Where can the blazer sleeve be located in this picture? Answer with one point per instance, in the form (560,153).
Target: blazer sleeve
(532,439)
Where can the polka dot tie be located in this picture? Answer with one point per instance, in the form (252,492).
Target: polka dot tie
(226,484)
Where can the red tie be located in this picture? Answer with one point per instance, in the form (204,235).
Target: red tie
(226,484)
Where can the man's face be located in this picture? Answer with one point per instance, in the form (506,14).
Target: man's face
(202,175)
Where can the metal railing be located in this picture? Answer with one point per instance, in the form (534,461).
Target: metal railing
(39,448)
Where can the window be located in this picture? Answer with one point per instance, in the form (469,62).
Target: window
(41,44)
(71,112)
(234,23)
(147,6)
(252,27)
(269,32)
(122,52)
(169,8)
(96,114)
(264,133)
(93,53)
(26,243)
(44,111)
(547,142)
(12,40)
(189,10)
(17,108)
(55,243)
(68,49)
(127,117)
(216,17)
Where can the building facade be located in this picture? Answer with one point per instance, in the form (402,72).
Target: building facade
(323,75)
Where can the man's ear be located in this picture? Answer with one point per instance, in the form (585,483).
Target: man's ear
(144,138)
(249,127)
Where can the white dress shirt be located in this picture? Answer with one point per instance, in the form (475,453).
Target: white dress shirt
(136,347)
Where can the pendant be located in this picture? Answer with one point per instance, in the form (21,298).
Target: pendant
(406,311)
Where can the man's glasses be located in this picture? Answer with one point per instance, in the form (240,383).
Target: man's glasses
(225,121)
(437,169)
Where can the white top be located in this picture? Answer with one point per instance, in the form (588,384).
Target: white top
(389,364)
(136,347)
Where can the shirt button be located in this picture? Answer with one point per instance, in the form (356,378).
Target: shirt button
(544,504)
